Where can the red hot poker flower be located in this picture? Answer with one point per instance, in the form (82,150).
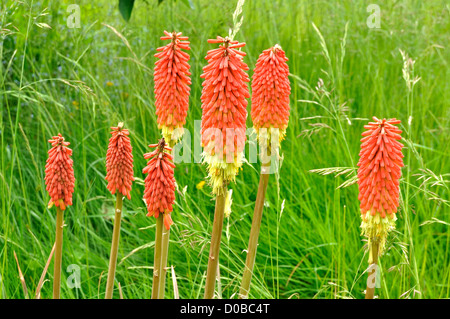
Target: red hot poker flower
(271,90)
(224,107)
(380,165)
(119,162)
(159,193)
(172,81)
(59,176)
(379,171)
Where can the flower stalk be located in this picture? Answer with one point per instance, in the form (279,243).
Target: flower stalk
(60,183)
(159,196)
(373,250)
(119,174)
(214,250)
(224,113)
(157,258)
(379,173)
(58,253)
(163,268)
(254,233)
(270,116)
(114,247)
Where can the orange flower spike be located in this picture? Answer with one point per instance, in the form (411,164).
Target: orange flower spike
(119,162)
(224,105)
(159,193)
(270,91)
(59,176)
(379,172)
(172,86)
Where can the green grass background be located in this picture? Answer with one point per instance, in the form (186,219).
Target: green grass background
(55,80)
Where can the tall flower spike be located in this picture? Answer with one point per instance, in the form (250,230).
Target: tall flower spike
(119,162)
(224,111)
(59,176)
(270,92)
(379,172)
(172,81)
(159,193)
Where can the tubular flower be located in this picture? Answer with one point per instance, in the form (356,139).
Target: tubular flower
(119,162)
(172,80)
(159,193)
(224,111)
(59,176)
(270,93)
(379,172)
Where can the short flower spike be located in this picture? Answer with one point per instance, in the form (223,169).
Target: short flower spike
(172,81)
(270,91)
(159,193)
(379,172)
(224,106)
(119,162)
(59,176)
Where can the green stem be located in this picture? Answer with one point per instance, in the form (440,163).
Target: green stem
(215,244)
(254,234)
(157,260)
(114,247)
(370,290)
(164,253)
(58,253)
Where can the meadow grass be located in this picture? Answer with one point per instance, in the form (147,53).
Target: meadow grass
(80,82)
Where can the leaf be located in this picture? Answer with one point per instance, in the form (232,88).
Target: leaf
(125,8)
(41,280)
(22,279)
(188,3)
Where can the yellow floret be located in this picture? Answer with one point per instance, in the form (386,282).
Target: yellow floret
(220,172)
(377,228)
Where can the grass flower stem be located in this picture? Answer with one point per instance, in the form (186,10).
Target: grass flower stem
(214,250)
(370,290)
(114,247)
(163,270)
(58,253)
(157,260)
(254,233)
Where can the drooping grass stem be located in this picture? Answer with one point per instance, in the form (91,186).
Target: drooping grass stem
(157,259)
(58,253)
(214,250)
(164,253)
(254,233)
(114,247)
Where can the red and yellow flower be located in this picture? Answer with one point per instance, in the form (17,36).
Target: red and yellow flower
(159,193)
(172,86)
(270,93)
(59,176)
(119,162)
(224,108)
(379,172)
